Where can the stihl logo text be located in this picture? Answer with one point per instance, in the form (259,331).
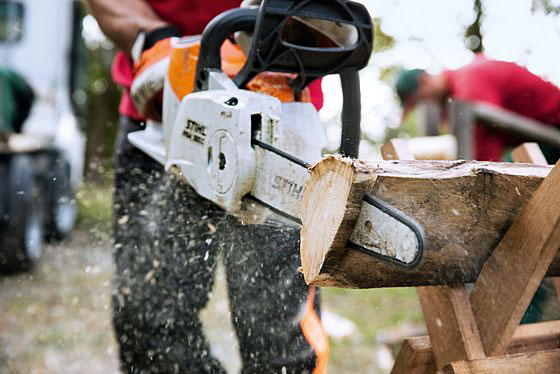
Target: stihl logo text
(195,132)
(283,184)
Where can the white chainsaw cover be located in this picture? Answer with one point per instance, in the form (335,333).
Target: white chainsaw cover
(206,138)
(210,142)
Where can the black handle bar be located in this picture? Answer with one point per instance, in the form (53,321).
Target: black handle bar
(269,52)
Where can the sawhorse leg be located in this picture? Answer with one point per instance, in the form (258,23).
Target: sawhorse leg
(462,331)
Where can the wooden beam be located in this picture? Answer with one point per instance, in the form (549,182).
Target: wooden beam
(441,147)
(396,149)
(464,207)
(451,324)
(529,153)
(416,356)
(517,266)
(523,363)
(533,337)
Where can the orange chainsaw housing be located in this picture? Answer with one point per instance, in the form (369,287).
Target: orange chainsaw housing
(182,71)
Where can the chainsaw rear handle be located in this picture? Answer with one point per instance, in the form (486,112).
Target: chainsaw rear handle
(269,52)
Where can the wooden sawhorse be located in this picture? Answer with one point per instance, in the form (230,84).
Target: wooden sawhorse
(480,332)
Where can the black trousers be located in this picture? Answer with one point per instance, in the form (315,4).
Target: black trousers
(167,241)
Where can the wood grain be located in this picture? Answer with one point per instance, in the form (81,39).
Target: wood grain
(329,222)
(523,363)
(396,149)
(450,323)
(517,266)
(529,153)
(416,356)
(464,207)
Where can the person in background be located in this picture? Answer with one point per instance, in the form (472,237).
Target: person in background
(168,239)
(503,84)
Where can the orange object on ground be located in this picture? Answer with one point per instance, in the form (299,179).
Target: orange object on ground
(315,334)
(182,71)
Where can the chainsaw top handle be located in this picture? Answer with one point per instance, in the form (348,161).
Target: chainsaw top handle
(272,51)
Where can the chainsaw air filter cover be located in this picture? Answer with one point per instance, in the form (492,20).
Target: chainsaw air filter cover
(210,143)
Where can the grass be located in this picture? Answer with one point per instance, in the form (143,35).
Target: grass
(371,311)
(95,209)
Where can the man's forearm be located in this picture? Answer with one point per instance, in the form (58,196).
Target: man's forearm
(121,20)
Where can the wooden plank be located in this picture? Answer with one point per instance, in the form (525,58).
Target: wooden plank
(523,363)
(441,147)
(450,323)
(464,207)
(415,357)
(529,153)
(417,351)
(396,149)
(532,337)
(516,267)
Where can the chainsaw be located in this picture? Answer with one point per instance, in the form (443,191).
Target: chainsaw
(250,152)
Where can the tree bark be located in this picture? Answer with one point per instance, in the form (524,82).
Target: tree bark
(465,207)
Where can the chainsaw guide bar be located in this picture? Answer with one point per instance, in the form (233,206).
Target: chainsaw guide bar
(381,230)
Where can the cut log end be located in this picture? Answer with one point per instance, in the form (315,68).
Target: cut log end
(330,207)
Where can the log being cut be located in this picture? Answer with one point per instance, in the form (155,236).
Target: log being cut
(464,208)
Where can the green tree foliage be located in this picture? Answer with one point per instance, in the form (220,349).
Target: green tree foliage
(382,41)
(473,36)
(102,113)
(96,100)
(549,6)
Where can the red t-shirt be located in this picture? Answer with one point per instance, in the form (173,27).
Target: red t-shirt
(507,86)
(191,17)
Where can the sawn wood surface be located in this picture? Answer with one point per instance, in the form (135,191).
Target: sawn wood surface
(464,207)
